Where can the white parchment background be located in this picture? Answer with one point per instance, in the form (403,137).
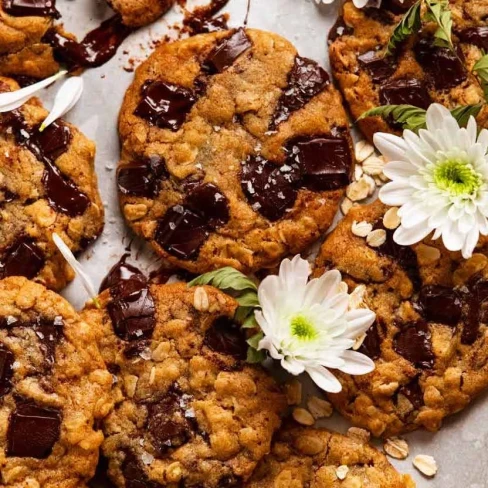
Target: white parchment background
(460,448)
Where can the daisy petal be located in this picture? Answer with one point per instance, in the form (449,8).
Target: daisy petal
(392,147)
(324,379)
(407,237)
(356,363)
(395,193)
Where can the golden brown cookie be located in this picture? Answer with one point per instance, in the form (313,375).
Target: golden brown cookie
(136,13)
(47,184)
(235,151)
(54,388)
(418,73)
(312,458)
(189,412)
(430,339)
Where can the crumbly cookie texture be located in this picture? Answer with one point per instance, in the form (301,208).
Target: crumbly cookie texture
(54,387)
(47,184)
(22,49)
(235,151)
(418,73)
(304,457)
(189,410)
(430,339)
(136,13)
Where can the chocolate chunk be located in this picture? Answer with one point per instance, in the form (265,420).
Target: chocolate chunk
(230,481)
(181,232)
(405,92)
(443,67)
(142,178)
(49,144)
(121,271)
(306,80)
(207,200)
(227,337)
(371,345)
(413,342)
(398,6)
(49,332)
(339,29)
(325,162)
(477,36)
(6,370)
(8,196)
(164,104)
(33,431)
(270,188)
(134,474)
(97,47)
(206,26)
(476,300)
(23,258)
(132,310)
(136,349)
(413,392)
(378,67)
(226,52)
(440,304)
(167,424)
(35,8)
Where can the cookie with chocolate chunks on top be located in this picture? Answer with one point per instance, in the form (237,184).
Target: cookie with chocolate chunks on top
(54,389)
(235,151)
(189,410)
(429,341)
(136,13)
(417,72)
(47,184)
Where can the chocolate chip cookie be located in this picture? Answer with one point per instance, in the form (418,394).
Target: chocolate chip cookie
(430,339)
(53,388)
(235,151)
(418,73)
(311,458)
(190,412)
(47,184)
(136,13)
(23,51)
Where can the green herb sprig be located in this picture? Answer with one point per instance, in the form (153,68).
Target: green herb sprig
(411,23)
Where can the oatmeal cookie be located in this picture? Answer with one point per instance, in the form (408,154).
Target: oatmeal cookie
(418,73)
(312,458)
(136,13)
(47,184)
(430,338)
(189,412)
(53,388)
(235,151)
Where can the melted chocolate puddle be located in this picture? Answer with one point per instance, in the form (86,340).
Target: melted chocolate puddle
(97,47)
(477,36)
(142,178)
(202,19)
(27,8)
(414,343)
(121,271)
(23,258)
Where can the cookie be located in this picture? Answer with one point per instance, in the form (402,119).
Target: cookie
(189,411)
(23,52)
(430,338)
(54,388)
(312,458)
(47,184)
(136,13)
(235,151)
(418,73)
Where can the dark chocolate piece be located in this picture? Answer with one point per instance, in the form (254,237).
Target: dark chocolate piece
(378,67)
(476,300)
(34,8)
(33,431)
(207,200)
(134,474)
(226,52)
(371,345)
(227,337)
(413,342)
(405,92)
(201,17)
(23,258)
(132,310)
(164,104)
(6,370)
(49,332)
(142,178)
(413,392)
(306,80)
(440,304)
(121,271)
(339,29)
(443,67)
(398,6)
(477,36)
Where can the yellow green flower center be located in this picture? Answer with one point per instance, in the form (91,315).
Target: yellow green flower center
(303,329)
(458,178)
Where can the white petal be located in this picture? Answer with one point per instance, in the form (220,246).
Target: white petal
(358,322)
(356,363)
(66,98)
(451,237)
(392,147)
(407,237)
(415,216)
(358,3)
(470,243)
(399,169)
(436,114)
(294,274)
(68,255)
(320,289)
(12,100)
(292,366)
(395,193)
(267,344)
(324,379)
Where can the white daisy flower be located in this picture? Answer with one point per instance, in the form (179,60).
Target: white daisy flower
(439,181)
(309,326)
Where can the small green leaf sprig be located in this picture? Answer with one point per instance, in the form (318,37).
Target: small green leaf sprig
(411,22)
(245,291)
(481,69)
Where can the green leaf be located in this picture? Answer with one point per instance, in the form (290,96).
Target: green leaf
(439,12)
(225,279)
(255,340)
(245,316)
(408,116)
(248,298)
(481,69)
(463,114)
(254,357)
(410,24)
(250,321)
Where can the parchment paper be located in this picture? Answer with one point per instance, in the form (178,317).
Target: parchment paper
(460,448)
